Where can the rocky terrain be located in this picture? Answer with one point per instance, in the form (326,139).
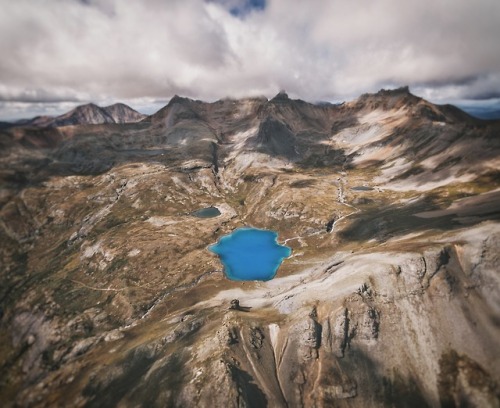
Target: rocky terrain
(391,296)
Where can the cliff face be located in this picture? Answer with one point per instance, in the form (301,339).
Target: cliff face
(390,298)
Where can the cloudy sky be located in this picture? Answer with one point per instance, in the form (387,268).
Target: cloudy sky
(60,53)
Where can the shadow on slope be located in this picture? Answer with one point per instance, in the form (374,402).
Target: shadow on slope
(123,379)
(375,386)
(94,150)
(387,221)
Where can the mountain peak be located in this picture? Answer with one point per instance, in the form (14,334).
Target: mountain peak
(387,99)
(281,96)
(117,105)
(122,113)
(403,90)
(388,93)
(87,106)
(178,99)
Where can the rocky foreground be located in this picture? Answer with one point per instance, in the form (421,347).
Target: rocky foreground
(391,296)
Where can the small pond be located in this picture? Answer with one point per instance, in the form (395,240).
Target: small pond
(250,254)
(362,188)
(209,212)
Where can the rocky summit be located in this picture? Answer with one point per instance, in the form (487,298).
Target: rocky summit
(391,297)
(89,114)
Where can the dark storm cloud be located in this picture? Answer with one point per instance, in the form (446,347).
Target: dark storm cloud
(104,50)
(493,94)
(38,95)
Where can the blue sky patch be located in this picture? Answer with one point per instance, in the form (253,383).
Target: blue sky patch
(240,8)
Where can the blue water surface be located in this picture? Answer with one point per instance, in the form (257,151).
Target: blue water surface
(250,254)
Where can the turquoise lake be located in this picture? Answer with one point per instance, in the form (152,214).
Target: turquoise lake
(250,254)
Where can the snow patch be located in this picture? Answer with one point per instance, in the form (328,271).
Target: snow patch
(134,252)
(274,330)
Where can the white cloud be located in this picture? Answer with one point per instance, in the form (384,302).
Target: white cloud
(101,50)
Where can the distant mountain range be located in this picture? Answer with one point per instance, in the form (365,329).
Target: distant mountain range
(89,114)
(92,114)
(485,113)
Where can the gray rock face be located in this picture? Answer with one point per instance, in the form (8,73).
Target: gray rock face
(275,139)
(85,114)
(391,296)
(122,113)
